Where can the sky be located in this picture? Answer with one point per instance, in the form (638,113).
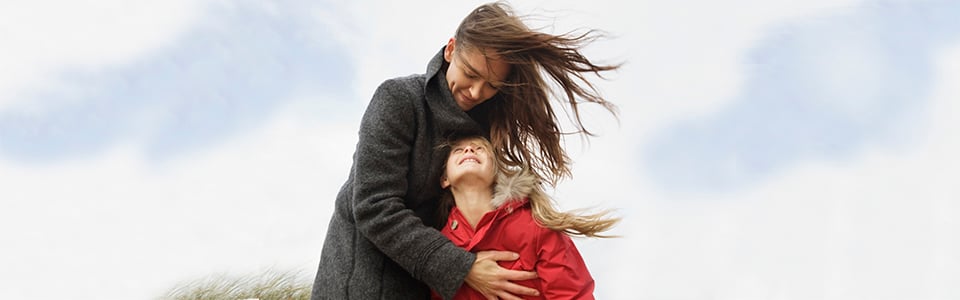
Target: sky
(762,149)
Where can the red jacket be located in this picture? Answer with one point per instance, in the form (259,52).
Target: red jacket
(561,271)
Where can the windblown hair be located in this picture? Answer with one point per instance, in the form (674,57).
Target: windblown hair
(513,183)
(523,125)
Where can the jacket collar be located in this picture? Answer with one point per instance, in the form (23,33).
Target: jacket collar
(514,188)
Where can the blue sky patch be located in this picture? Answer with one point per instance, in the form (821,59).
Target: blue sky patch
(228,74)
(820,88)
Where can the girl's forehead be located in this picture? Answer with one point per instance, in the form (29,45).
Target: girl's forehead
(470,141)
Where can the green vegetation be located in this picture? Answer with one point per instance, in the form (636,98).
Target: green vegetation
(269,285)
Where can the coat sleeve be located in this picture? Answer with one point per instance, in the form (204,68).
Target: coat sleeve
(562,271)
(382,159)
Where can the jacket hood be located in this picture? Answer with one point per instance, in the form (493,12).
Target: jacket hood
(515,187)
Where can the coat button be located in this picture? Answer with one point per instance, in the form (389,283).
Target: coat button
(454,225)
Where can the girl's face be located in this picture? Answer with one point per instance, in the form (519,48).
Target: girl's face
(473,78)
(470,162)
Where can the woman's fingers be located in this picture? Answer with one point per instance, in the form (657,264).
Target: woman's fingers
(517,275)
(516,289)
(491,280)
(497,255)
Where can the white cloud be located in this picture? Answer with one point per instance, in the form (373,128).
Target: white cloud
(122,228)
(880,226)
(41,38)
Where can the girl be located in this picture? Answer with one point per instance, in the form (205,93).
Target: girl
(501,209)
(487,80)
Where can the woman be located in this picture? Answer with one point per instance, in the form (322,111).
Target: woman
(486,81)
(503,209)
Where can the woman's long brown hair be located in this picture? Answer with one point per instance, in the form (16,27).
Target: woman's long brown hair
(523,126)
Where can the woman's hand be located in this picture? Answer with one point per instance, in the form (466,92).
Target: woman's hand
(488,278)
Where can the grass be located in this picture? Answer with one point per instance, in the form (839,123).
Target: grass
(269,285)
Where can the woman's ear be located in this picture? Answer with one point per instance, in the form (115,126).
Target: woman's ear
(448,51)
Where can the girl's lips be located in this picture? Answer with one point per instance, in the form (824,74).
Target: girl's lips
(468,157)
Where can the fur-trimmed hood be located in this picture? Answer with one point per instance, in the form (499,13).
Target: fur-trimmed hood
(521,184)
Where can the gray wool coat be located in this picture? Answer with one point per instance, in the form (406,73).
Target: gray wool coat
(381,243)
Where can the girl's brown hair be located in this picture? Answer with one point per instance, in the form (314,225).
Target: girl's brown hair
(523,125)
(542,205)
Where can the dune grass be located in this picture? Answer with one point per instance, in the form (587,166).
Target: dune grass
(268,285)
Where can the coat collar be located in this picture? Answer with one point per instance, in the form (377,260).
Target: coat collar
(436,75)
(436,63)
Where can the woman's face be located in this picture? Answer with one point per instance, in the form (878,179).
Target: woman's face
(470,162)
(473,78)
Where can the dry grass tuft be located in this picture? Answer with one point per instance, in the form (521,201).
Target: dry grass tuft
(269,285)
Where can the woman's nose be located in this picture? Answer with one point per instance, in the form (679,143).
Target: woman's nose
(476,90)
